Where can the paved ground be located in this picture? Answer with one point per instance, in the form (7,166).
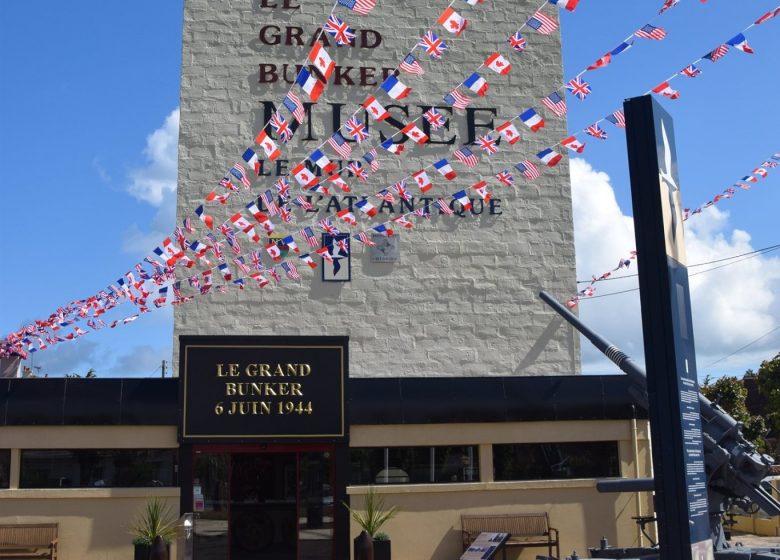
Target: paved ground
(754,540)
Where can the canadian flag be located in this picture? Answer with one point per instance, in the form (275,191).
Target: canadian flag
(347,216)
(482,191)
(509,132)
(498,63)
(403,222)
(321,60)
(273,250)
(340,183)
(666,90)
(422,180)
(243,224)
(325,254)
(304,177)
(413,132)
(573,144)
(452,21)
(270,148)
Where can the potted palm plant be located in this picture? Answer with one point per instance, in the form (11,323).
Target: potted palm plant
(153,529)
(371,544)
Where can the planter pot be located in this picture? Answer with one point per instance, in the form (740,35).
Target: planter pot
(381,550)
(144,551)
(364,547)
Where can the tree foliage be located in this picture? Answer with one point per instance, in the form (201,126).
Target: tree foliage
(769,385)
(731,395)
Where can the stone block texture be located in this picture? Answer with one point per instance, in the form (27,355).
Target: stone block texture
(461,300)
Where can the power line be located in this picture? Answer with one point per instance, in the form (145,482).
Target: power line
(742,348)
(756,252)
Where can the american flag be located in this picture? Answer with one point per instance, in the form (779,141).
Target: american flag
(555,103)
(326,226)
(434,118)
(281,126)
(517,42)
(691,71)
(411,66)
(294,105)
(457,99)
(466,157)
(617,118)
(339,30)
(579,88)
(386,195)
(356,168)
(356,129)
(505,177)
(283,188)
(188,225)
(291,270)
(362,7)
(542,23)
(528,169)
(302,203)
(432,44)
(371,157)
(365,239)
(239,173)
(442,205)
(337,142)
(235,246)
(268,199)
(487,144)
(596,131)
(651,32)
(717,54)
(239,262)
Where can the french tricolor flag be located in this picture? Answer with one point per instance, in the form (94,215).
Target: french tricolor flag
(532,120)
(463,198)
(569,5)
(250,157)
(549,157)
(310,84)
(444,167)
(366,207)
(322,161)
(394,88)
(740,42)
(477,84)
(308,260)
(382,229)
(392,147)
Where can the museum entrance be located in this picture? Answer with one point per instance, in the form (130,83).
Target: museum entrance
(263,502)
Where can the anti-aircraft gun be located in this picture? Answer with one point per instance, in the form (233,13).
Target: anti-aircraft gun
(735,469)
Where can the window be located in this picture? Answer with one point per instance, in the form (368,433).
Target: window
(91,468)
(5,467)
(543,461)
(414,465)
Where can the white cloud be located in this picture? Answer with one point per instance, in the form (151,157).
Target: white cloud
(151,183)
(731,306)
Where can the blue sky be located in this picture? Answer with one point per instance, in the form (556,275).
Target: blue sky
(89,124)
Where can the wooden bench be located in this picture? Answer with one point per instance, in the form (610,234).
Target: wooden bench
(525,529)
(31,540)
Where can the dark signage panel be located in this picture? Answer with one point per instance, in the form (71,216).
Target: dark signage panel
(263,388)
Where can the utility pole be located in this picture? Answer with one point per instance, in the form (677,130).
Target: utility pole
(163,368)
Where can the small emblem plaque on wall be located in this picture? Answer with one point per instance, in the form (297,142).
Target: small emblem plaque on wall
(385,249)
(337,268)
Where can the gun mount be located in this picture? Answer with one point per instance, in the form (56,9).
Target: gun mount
(735,468)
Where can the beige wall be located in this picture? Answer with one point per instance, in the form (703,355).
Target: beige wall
(94,523)
(428,526)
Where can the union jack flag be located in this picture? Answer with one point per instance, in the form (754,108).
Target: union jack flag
(456,99)
(339,30)
(579,88)
(268,199)
(302,203)
(326,226)
(596,131)
(555,103)
(285,214)
(691,71)
(239,173)
(274,274)
(257,260)
(291,270)
(365,239)
(411,66)
(466,157)
(442,205)
(505,177)
(386,195)
(356,168)
(617,118)
(283,188)
(487,144)
(281,127)
(294,105)
(239,262)
(517,42)
(423,212)
(343,245)
(717,54)
(225,182)
(434,118)
(432,44)
(403,192)
(528,170)
(356,129)
(180,239)
(371,158)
